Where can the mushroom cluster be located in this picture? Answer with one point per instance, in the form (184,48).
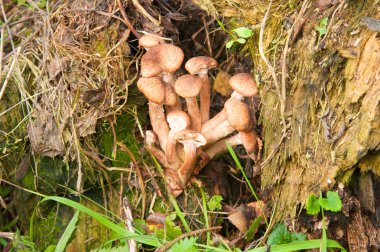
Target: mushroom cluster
(184,138)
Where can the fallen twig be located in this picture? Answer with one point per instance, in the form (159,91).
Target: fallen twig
(145,13)
(127,22)
(128,223)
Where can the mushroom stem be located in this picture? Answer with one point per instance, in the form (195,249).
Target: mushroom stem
(193,111)
(220,131)
(150,141)
(214,122)
(205,98)
(171,148)
(220,146)
(159,124)
(186,169)
(172,182)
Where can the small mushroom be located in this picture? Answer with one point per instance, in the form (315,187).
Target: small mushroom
(238,118)
(150,40)
(154,89)
(200,66)
(188,87)
(191,140)
(163,60)
(178,120)
(243,85)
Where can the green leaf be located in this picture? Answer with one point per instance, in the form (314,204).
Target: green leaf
(312,205)
(332,202)
(67,234)
(3,242)
(279,235)
(243,32)
(324,22)
(170,232)
(229,44)
(298,237)
(186,244)
(253,229)
(322,27)
(50,248)
(321,30)
(146,239)
(215,203)
(241,40)
(295,246)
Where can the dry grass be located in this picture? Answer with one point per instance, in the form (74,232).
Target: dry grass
(63,68)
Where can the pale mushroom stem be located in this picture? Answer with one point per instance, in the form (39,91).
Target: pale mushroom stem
(171,148)
(205,98)
(193,111)
(186,169)
(220,146)
(219,132)
(214,122)
(159,124)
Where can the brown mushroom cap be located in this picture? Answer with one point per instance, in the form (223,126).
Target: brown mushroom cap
(188,86)
(249,140)
(161,58)
(170,96)
(190,136)
(148,41)
(153,88)
(200,64)
(244,84)
(178,119)
(238,115)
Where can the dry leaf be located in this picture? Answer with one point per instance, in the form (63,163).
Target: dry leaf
(44,135)
(239,220)
(221,84)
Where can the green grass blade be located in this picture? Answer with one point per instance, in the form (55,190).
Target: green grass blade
(67,234)
(311,244)
(205,215)
(3,242)
(233,154)
(145,239)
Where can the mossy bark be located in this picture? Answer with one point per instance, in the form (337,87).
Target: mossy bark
(332,94)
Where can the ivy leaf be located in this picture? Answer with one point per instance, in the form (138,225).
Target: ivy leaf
(214,203)
(229,44)
(312,205)
(243,32)
(332,202)
(186,244)
(241,40)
